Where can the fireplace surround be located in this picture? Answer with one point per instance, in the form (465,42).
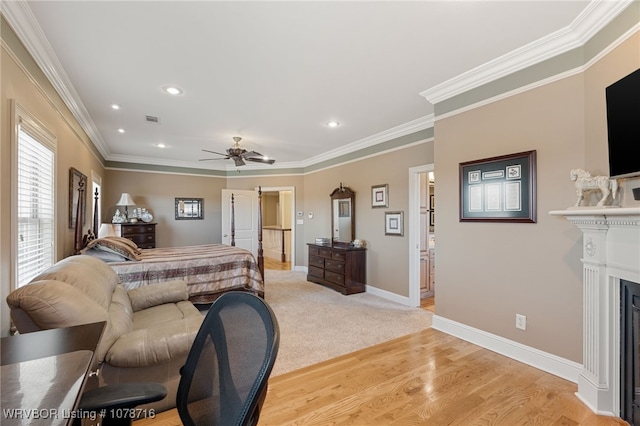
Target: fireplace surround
(630,351)
(610,254)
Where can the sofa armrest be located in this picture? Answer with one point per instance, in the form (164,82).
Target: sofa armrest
(158,294)
(154,345)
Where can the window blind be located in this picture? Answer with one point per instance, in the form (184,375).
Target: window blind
(35,207)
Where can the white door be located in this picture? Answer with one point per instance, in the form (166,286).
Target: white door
(246,219)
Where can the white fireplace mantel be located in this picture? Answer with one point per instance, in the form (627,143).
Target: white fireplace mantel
(610,252)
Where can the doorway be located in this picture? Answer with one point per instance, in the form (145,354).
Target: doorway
(278,227)
(422,243)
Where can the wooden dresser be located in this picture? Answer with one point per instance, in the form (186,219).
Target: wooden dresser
(341,268)
(143,234)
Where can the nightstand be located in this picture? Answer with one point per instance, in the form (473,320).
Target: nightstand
(143,234)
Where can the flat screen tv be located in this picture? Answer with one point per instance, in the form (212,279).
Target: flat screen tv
(623,126)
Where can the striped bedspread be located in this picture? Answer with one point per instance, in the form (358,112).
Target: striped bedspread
(209,270)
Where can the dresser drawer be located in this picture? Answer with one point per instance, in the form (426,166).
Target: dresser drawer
(334,277)
(333,265)
(338,255)
(316,261)
(316,272)
(143,234)
(142,238)
(324,252)
(137,229)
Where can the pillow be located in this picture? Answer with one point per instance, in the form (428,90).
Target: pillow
(122,240)
(115,245)
(105,256)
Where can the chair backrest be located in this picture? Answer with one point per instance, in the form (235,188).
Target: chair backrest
(224,380)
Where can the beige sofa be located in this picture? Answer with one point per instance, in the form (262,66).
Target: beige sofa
(148,332)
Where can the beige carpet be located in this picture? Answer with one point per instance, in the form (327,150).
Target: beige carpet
(317,323)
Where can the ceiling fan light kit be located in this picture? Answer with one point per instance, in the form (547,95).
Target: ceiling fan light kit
(240,155)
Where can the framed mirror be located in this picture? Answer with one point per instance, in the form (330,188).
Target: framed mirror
(343,218)
(189,208)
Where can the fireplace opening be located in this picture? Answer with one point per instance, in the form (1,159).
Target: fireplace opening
(630,352)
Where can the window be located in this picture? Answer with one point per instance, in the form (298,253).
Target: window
(34,186)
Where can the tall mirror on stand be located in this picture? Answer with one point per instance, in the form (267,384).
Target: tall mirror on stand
(343,218)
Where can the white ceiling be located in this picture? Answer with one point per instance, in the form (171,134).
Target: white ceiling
(273,73)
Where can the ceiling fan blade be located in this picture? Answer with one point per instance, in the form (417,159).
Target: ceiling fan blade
(213,152)
(213,159)
(248,154)
(261,160)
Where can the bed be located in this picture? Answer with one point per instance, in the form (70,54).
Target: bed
(209,270)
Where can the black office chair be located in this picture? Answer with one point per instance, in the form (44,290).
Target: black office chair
(224,379)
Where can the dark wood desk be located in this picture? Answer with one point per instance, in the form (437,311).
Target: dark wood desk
(43,374)
(40,344)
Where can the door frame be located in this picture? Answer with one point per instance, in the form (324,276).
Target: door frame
(414,235)
(293,216)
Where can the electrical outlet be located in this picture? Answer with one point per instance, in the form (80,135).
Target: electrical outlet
(521,322)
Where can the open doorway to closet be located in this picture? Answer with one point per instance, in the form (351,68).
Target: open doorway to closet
(422,217)
(278,206)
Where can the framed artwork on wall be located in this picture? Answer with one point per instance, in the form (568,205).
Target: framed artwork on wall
(499,189)
(394,223)
(380,196)
(189,208)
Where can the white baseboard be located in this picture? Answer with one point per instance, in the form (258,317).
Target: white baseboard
(388,295)
(561,367)
(553,364)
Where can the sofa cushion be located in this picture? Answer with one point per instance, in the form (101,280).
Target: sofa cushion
(55,304)
(152,295)
(75,270)
(156,344)
(120,321)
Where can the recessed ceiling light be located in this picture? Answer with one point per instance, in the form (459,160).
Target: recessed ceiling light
(173,90)
(115,106)
(333,124)
(120,130)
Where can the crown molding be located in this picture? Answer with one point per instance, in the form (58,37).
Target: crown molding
(28,30)
(591,20)
(408,128)
(413,126)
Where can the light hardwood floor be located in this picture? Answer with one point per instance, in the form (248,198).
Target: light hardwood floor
(270,263)
(427,377)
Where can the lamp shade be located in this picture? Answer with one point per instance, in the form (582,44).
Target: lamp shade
(125,200)
(107,230)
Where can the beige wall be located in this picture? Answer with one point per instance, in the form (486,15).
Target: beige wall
(486,273)
(22,81)
(157,193)
(387,256)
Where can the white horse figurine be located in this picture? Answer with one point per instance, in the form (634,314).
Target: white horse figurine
(586,183)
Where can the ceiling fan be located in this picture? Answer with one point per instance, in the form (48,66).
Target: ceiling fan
(240,155)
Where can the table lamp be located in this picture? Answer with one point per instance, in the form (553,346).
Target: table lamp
(126,201)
